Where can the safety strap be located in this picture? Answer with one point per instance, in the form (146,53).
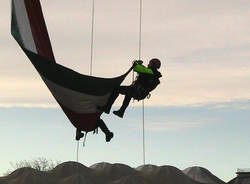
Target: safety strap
(83,144)
(95,131)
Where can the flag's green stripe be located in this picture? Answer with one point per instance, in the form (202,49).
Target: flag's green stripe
(73,80)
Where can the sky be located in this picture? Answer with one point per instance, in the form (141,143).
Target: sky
(198,116)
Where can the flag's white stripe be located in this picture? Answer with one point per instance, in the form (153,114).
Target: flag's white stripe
(24,25)
(75,101)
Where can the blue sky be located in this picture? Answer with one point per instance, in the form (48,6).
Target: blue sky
(199,115)
(211,136)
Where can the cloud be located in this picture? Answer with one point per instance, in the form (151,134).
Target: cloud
(23,105)
(170,126)
(239,104)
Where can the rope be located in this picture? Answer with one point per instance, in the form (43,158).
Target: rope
(78,171)
(84,139)
(139,50)
(140,29)
(92,37)
(91,64)
(77,152)
(91,71)
(143,132)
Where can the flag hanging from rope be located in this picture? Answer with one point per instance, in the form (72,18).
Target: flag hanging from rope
(77,94)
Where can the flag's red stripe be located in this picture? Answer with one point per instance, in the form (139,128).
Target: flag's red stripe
(85,122)
(38,29)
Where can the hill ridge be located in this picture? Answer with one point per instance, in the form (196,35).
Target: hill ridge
(101,173)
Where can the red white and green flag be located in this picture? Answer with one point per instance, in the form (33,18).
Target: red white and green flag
(77,94)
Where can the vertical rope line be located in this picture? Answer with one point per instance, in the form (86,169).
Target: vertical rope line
(92,37)
(140,43)
(143,132)
(77,151)
(140,29)
(85,139)
(91,71)
(78,162)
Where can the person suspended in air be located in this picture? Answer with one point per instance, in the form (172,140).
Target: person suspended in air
(146,81)
(99,124)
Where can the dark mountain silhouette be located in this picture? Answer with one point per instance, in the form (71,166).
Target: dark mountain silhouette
(147,168)
(112,172)
(165,175)
(202,175)
(105,173)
